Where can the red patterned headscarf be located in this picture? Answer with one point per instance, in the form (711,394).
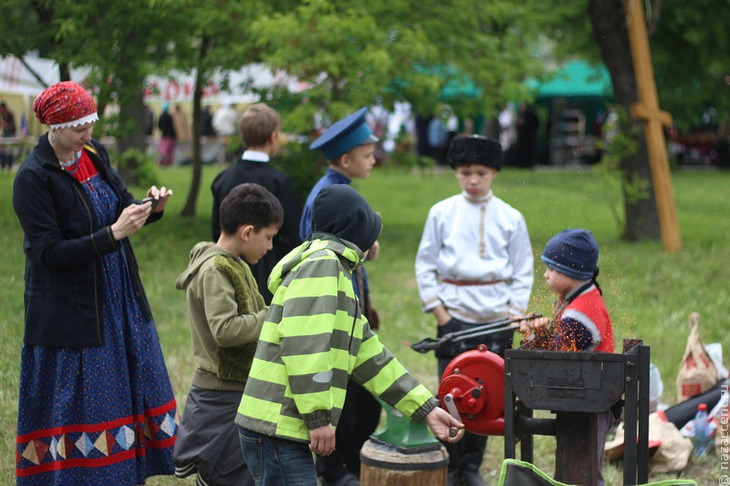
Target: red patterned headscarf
(65,104)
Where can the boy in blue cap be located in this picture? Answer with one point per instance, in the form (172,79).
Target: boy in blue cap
(474,265)
(349,147)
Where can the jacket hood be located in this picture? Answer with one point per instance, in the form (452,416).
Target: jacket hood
(349,254)
(341,211)
(200,253)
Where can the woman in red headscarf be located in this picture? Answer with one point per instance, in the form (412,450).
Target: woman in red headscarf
(95,404)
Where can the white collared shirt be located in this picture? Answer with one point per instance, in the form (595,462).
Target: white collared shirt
(475,241)
(255,156)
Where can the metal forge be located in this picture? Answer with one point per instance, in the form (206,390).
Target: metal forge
(492,396)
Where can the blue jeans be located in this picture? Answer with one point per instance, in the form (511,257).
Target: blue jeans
(275,462)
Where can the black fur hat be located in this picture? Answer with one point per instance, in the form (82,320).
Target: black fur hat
(475,150)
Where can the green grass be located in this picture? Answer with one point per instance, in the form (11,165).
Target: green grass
(650,293)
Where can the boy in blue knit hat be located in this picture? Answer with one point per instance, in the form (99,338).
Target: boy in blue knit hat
(580,321)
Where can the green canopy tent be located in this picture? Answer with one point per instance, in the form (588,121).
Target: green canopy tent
(571,101)
(574,79)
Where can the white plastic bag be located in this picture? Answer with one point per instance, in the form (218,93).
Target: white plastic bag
(715,352)
(656,387)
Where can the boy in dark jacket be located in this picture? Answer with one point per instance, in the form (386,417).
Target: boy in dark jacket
(260,130)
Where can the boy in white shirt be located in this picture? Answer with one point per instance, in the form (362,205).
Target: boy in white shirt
(474,265)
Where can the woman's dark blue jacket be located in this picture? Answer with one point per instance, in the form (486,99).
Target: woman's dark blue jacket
(64,245)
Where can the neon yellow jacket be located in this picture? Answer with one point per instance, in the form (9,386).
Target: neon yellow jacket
(313,341)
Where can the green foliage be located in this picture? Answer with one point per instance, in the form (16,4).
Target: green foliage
(409,160)
(690,50)
(353,55)
(498,54)
(620,138)
(339,50)
(120,41)
(619,144)
(141,168)
(567,30)
(404,156)
(611,185)
(691,55)
(636,189)
(302,165)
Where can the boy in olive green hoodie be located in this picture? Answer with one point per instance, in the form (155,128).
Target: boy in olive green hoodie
(225,314)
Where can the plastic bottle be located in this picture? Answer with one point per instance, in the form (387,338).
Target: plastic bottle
(702,431)
(656,387)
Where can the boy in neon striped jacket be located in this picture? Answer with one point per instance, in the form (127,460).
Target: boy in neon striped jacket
(314,339)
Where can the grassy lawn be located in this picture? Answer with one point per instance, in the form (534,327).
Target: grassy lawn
(650,294)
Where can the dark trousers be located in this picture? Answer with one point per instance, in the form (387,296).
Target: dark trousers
(207,439)
(6,159)
(467,454)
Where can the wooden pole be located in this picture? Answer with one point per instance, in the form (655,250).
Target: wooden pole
(647,109)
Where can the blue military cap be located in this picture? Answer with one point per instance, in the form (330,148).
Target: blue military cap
(345,135)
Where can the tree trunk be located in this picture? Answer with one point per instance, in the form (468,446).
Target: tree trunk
(197,163)
(131,108)
(130,96)
(608,19)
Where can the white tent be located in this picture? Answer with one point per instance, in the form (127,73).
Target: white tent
(177,87)
(15,78)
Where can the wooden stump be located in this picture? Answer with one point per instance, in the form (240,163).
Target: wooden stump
(384,465)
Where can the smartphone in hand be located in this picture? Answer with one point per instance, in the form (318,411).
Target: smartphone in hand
(153,201)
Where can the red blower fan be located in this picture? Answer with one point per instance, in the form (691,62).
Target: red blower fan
(472,390)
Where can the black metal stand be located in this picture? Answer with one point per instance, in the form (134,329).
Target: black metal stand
(578,388)
(636,415)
